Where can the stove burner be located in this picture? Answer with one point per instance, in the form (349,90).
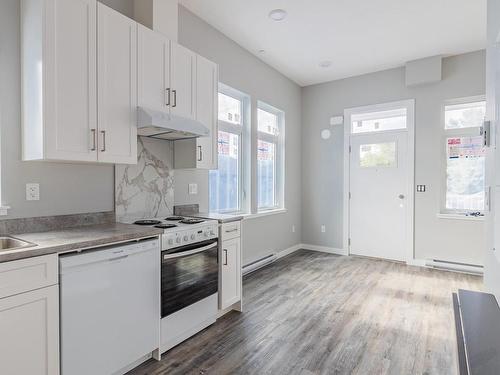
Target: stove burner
(147,222)
(174,218)
(165,226)
(192,221)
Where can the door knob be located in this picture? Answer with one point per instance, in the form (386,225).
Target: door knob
(401,196)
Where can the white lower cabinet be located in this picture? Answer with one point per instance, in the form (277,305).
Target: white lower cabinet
(29,326)
(230,276)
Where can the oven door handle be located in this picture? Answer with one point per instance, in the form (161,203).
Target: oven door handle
(190,252)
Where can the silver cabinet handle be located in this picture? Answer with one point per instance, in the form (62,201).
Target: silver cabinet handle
(200,157)
(175,98)
(103,132)
(168,97)
(232,230)
(225,253)
(94,141)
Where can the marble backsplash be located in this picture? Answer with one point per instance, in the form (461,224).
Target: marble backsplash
(146,190)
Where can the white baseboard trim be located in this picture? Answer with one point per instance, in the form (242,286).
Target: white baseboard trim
(290,250)
(323,249)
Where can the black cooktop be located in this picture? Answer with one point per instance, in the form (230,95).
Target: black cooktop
(174,218)
(147,222)
(191,221)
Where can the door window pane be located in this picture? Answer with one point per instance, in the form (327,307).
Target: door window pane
(268,122)
(224,182)
(466,115)
(229,109)
(377,155)
(266,174)
(465,174)
(379,121)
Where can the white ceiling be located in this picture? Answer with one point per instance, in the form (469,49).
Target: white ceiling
(358,36)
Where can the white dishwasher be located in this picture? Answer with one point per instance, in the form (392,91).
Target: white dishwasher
(110,307)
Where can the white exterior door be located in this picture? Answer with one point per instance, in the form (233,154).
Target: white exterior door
(379,184)
(70,63)
(182,78)
(153,70)
(117,87)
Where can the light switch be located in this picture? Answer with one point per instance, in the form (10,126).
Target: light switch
(193,189)
(32,192)
(337,120)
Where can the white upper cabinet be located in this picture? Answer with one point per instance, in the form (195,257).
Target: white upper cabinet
(182,78)
(153,58)
(207,82)
(117,86)
(59,79)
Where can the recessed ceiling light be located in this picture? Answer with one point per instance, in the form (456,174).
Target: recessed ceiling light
(325,64)
(278,14)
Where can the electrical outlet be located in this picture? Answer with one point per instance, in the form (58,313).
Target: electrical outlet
(323,229)
(32,192)
(293,228)
(193,189)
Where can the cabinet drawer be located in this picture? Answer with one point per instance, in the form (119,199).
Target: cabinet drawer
(28,274)
(230,230)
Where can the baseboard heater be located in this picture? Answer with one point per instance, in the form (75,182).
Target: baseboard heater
(454,266)
(254,266)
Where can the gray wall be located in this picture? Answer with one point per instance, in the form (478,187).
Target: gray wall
(322,164)
(64,188)
(243,71)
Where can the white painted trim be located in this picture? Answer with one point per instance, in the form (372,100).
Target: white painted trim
(410,128)
(290,250)
(3,210)
(263,214)
(324,249)
(460,217)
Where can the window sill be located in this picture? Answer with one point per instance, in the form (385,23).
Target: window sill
(264,214)
(3,210)
(460,217)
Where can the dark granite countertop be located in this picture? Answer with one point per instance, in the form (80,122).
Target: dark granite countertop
(81,237)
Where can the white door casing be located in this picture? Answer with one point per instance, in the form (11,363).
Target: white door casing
(378,219)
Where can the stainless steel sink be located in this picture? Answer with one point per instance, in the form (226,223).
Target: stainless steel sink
(11,243)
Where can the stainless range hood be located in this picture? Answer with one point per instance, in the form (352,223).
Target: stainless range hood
(161,125)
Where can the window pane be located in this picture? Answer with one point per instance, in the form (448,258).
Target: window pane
(467,115)
(266,174)
(224,182)
(379,121)
(229,109)
(267,122)
(377,155)
(465,174)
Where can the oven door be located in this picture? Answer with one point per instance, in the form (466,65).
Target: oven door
(188,274)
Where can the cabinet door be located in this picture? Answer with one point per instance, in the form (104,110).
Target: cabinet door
(182,78)
(206,111)
(29,324)
(230,273)
(70,100)
(153,69)
(117,86)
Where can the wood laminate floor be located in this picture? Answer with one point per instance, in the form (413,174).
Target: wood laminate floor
(317,313)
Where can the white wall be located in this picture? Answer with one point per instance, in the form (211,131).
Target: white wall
(245,72)
(322,164)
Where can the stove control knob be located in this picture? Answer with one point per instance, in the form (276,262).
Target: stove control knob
(186,238)
(193,236)
(206,234)
(178,240)
(212,233)
(170,241)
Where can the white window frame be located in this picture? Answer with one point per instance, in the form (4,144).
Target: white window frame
(243,132)
(454,133)
(279,142)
